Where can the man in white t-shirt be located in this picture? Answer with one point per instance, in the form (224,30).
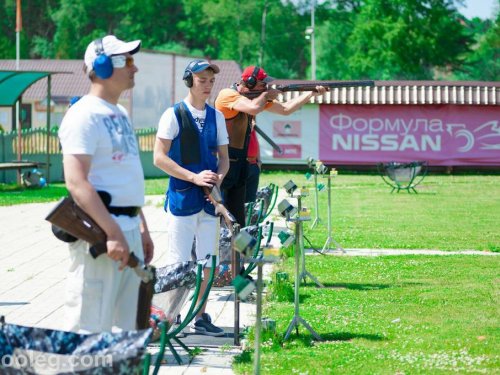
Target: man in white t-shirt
(191,146)
(101,154)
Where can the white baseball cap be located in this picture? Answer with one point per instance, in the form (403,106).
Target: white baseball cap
(111,45)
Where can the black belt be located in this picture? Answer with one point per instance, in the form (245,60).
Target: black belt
(127,211)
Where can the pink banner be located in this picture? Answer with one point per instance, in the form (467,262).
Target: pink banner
(288,152)
(439,134)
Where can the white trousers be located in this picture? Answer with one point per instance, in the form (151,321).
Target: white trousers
(181,232)
(99,297)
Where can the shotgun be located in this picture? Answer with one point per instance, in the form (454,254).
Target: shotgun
(215,197)
(312,87)
(68,216)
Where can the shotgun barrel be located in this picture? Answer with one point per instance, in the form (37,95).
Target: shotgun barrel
(328,85)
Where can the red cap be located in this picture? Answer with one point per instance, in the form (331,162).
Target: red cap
(261,74)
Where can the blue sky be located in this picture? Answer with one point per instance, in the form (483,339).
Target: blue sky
(479,8)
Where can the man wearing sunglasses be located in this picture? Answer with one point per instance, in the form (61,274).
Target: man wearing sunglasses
(104,175)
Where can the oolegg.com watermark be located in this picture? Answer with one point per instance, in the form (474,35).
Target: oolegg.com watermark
(51,363)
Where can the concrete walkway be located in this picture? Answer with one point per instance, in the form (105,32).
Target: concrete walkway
(33,266)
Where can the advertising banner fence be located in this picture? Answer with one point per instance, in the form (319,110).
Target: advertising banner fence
(442,135)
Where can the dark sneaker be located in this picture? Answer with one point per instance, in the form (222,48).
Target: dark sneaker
(204,326)
(178,319)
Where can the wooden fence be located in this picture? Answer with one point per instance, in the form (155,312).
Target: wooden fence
(34,141)
(34,148)
(146,138)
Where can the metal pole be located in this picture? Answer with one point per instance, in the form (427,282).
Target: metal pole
(313,47)
(329,207)
(235,270)
(19,135)
(316,200)
(49,99)
(258,319)
(305,273)
(297,319)
(298,249)
(330,238)
(18,122)
(263,34)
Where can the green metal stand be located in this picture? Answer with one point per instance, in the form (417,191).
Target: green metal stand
(147,364)
(260,261)
(316,220)
(297,319)
(258,319)
(167,336)
(330,238)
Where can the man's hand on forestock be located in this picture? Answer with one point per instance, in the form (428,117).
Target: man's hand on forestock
(206,178)
(118,249)
(320,90)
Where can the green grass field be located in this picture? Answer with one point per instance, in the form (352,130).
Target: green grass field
(382,315)
(388,315)
(449,212)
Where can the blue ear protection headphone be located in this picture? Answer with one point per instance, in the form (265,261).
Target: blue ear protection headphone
(188,73)
(251,81)
(102,65)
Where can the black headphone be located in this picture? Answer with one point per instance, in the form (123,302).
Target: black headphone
(188,73)
(251,81)
(102,65)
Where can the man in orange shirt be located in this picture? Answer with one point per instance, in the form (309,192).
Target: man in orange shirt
(239,112)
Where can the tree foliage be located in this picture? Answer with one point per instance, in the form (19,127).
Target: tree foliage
(483,63)
(355,39)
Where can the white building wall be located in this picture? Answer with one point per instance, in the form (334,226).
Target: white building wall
(158,85)
(297,135)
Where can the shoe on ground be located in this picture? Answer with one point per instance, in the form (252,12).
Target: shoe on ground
(204,326)
(178,319)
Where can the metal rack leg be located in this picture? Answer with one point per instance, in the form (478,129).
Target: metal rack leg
(296,320)
(258,319)
(316,201)
(305,273)
(330,239)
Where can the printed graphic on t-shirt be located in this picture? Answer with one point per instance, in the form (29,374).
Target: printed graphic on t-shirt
(122,137)
(200,121)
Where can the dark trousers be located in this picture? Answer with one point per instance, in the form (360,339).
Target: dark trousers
(233,188)
(233,192)
(252,183)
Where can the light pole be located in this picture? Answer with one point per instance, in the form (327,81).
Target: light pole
(310,31)
(18,123)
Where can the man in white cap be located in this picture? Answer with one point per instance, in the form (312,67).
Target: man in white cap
(191,146)
(104,175)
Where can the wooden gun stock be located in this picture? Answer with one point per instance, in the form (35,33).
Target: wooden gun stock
(68,216)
